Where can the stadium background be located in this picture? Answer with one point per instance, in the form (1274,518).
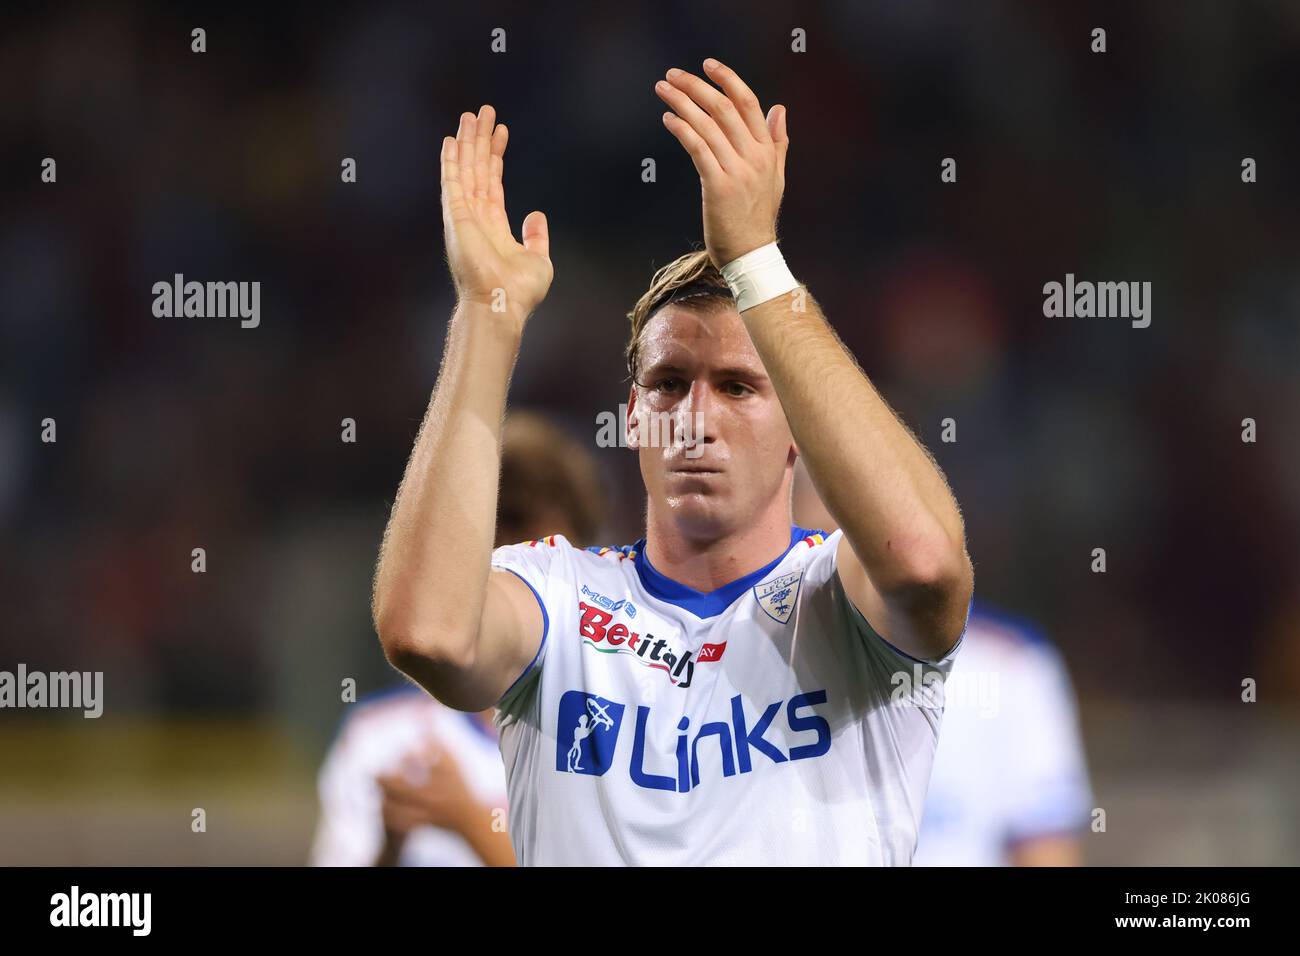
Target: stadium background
(222,689)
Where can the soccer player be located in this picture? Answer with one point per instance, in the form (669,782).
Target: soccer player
(745,665)
(409,781)
(1010,783)
(1010,780)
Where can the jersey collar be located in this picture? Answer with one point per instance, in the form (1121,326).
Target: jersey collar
(705,604)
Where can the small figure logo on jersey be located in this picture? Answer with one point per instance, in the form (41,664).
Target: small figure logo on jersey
(778,596)
(587,732)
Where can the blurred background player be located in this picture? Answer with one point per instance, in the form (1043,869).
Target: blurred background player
(409,781)
(1010,781)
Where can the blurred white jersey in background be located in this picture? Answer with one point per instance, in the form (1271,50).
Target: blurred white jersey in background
(1010,765)
(373,739)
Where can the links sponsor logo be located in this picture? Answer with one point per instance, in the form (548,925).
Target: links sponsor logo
(600,634)
(589,726)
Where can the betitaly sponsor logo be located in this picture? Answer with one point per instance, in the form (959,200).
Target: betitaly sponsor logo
(601,633)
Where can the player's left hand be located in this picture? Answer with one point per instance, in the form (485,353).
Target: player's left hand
(739,155)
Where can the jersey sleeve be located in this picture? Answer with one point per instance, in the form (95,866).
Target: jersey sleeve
(887,658)
(1047,787)
(544,566)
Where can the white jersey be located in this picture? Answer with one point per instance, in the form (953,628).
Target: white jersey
(1010,765)
(761,723)
(373,740)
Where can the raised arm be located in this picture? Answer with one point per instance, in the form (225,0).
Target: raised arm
(445,618)
(903,558)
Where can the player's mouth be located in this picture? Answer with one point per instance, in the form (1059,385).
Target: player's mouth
(695,470)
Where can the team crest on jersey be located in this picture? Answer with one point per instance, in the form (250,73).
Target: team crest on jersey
(777,597)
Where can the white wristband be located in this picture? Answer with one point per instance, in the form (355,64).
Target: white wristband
(758,276)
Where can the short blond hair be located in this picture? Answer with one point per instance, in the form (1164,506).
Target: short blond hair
(690,277)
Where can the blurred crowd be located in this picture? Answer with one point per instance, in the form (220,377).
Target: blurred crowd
(1071,434)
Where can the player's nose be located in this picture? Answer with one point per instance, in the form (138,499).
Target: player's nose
(697,418)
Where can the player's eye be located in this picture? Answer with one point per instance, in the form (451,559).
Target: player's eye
(667,385)
(736,389)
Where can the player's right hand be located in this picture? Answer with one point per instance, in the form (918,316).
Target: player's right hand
(487,265)
(428,789)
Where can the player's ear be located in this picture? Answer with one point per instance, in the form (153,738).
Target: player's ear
(632,433)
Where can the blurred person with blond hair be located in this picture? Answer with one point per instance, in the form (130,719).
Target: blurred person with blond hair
(409,781)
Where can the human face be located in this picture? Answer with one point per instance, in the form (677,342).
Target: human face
(715,449)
